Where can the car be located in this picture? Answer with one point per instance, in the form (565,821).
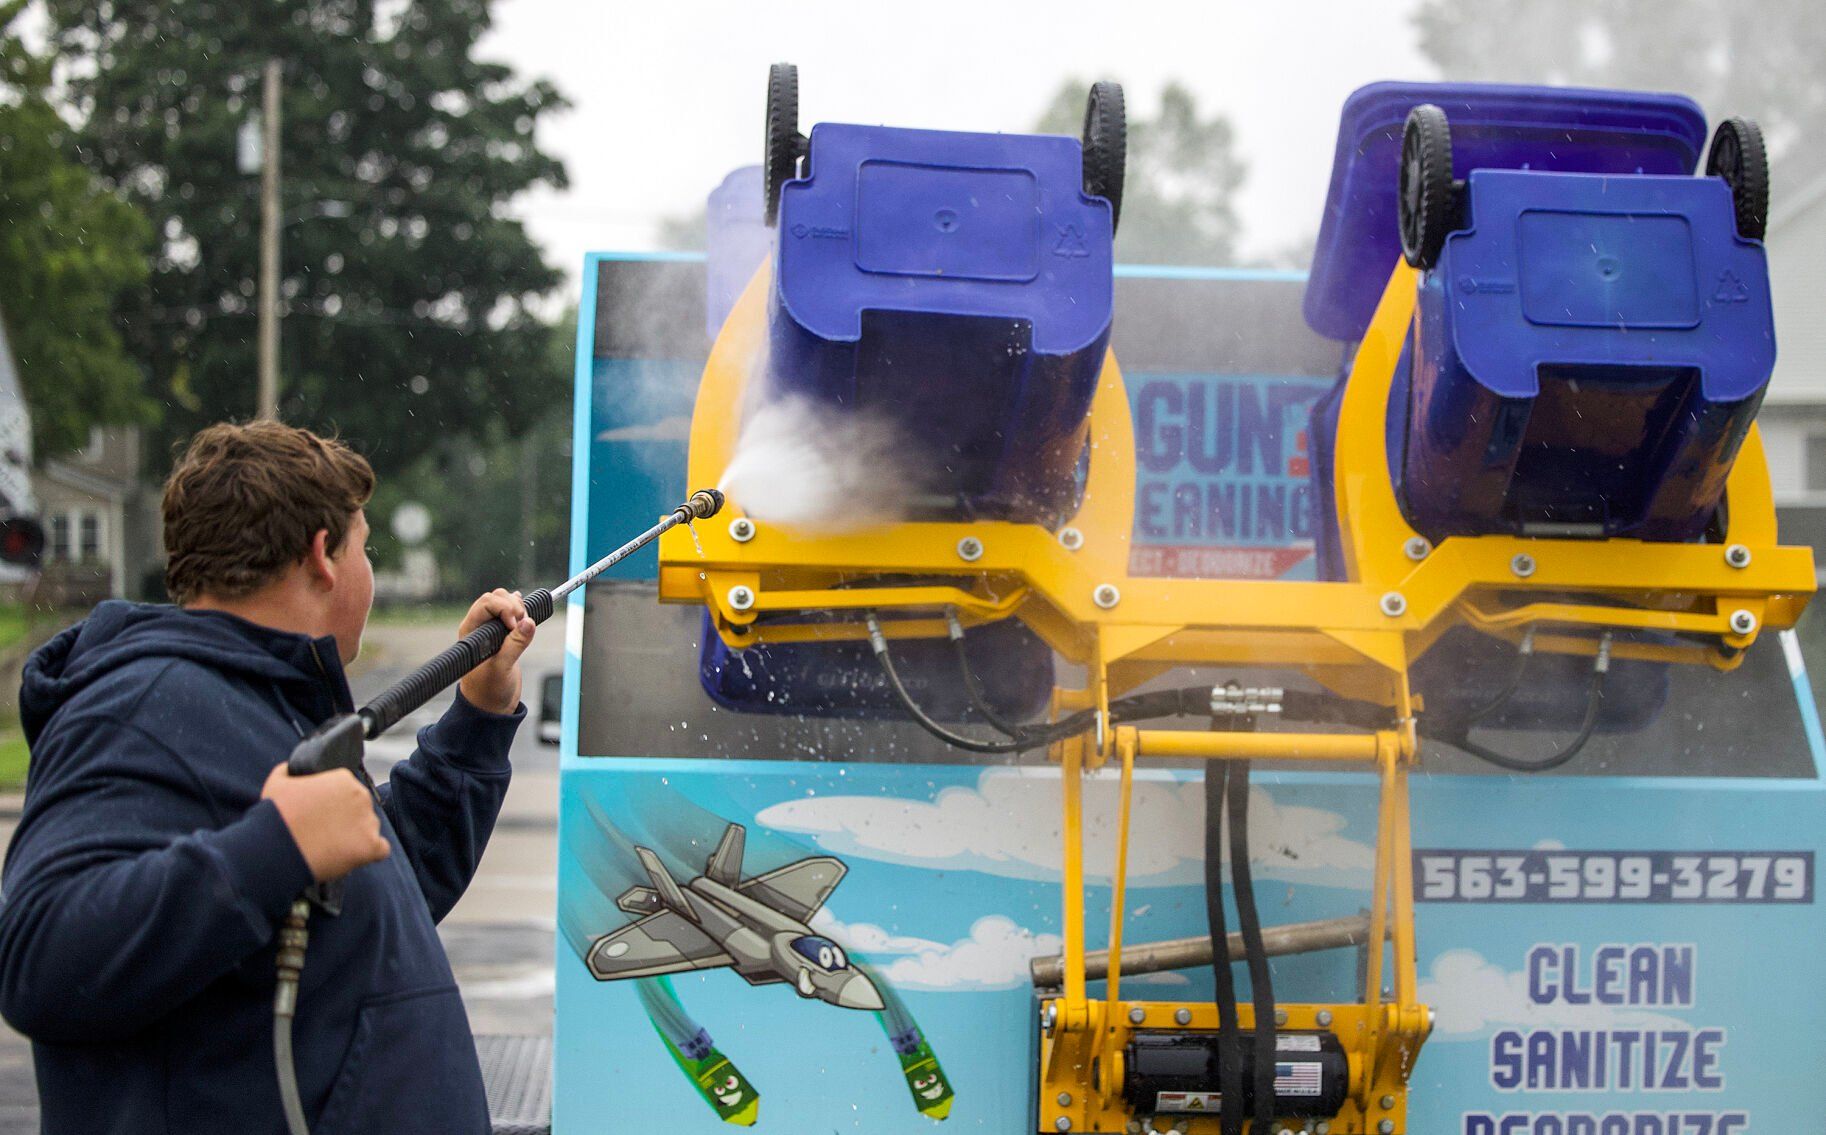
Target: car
(551,708)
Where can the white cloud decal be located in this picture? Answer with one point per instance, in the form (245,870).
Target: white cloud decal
(1475,997)
(1008,825)
(994,956)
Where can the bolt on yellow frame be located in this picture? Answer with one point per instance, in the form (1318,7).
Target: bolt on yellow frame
(1355,637)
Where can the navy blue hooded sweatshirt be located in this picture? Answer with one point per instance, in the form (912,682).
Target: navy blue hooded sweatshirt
(147,879)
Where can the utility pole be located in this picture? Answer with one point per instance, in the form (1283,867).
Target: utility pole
(529,500)
(269,248)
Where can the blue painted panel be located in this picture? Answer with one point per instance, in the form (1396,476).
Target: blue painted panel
(952,887)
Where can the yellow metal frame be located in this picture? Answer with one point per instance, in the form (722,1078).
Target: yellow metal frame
(1356,637)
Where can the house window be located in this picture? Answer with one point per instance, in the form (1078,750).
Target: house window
(1816,463)
(60,536)
(89,537)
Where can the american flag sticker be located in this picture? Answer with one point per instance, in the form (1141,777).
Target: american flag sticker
(1299,1078)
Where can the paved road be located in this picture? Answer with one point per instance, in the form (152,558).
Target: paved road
(500,936)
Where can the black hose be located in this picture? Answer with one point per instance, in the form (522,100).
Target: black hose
(1502,696)
(1594,704)
(1229,1047)
(293,936)
(1191,700)
(978,700)
(1081,722)
(1330,709)
(1186,701)
(1249,923)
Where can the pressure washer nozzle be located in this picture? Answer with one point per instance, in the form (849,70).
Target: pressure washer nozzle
(706,503)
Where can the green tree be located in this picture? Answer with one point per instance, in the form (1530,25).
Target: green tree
(69,249)
(411,318)
(1759,60)
(1182,171)
(500,504)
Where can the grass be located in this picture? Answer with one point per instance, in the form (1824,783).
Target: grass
(14,623)
(13,758)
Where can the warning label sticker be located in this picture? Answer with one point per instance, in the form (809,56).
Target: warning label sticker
(1189,1101)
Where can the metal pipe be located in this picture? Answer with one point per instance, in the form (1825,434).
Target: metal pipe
(1190,953)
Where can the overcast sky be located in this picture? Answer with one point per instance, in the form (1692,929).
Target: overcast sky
(669,96)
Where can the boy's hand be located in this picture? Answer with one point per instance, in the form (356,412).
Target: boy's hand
(495,684)
(331,818)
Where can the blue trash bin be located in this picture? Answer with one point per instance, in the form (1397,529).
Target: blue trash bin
(1589,354)
(958,286)
(1593,344)
(1595,324)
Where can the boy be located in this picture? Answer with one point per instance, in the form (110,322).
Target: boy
(162,839)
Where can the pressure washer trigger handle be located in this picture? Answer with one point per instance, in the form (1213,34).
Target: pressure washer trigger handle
(337,743)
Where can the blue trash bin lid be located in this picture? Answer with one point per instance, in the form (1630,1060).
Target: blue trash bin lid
(945,223)
(1494,126)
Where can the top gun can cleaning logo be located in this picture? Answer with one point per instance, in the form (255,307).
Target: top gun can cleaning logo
(1222,476)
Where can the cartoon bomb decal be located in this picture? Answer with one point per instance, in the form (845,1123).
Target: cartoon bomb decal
(715,1076)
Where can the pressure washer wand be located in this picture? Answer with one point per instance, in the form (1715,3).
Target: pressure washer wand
(338,743)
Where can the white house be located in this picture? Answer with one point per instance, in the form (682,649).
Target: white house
(101,521)
(16,494)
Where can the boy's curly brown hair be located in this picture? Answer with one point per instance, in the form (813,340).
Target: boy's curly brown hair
(244,501)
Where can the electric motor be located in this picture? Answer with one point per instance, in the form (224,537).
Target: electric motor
(1177,1073)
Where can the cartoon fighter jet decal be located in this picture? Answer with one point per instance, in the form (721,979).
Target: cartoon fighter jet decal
(755,926)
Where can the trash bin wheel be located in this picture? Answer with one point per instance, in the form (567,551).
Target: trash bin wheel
(1106,144)
(1425,185)
(1738,156)
(783,145)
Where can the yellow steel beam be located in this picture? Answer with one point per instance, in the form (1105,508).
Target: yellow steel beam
(1073,1014)
(1125,750)
(1366,747)
(1379,912)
